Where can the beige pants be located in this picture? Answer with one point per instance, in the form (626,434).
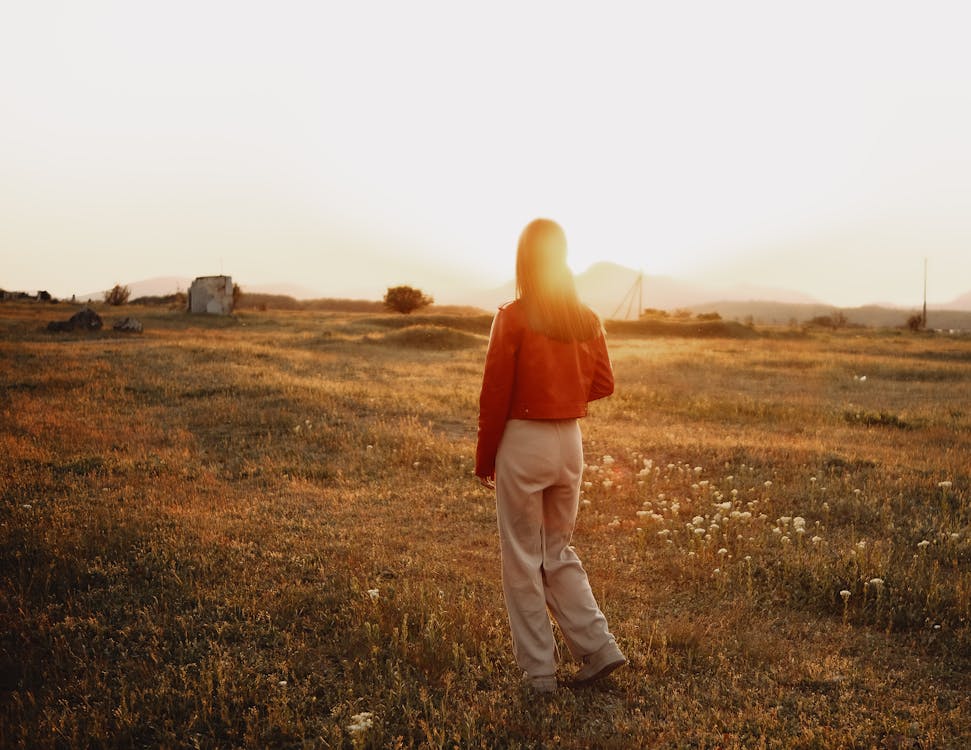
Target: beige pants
(538,472)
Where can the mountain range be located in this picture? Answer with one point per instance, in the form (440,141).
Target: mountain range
(615,291)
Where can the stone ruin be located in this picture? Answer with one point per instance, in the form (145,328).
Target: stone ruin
(84,319)
(211,294)
(129,325)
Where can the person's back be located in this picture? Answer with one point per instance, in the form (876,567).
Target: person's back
(547,359)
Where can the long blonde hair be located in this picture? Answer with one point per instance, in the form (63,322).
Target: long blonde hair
(545,286)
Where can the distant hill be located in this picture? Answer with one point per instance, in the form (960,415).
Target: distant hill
(610,289)
(290,290)
(872,316)
(157,287)
(960,303)
(164,285)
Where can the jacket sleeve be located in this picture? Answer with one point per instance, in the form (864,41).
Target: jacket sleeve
(496,395)
(603,374)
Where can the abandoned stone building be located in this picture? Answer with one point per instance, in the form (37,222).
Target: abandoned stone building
(211,294)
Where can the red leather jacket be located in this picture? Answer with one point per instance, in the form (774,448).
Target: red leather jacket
(530,376)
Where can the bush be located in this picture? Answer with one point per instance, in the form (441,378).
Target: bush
(117,295)
(837,320)
(653,312)
(405,299)
(915,322)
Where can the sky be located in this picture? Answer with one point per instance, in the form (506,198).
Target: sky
(351,146)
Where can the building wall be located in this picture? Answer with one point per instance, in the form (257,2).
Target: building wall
(211,294)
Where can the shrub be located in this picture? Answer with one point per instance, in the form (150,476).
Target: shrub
(653,312)
(117,295)
(915,322)
(405,299)
(837,320)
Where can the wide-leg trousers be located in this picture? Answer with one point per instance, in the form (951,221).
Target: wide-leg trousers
(538,474)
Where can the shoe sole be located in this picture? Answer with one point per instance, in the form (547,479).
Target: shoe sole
(606,670)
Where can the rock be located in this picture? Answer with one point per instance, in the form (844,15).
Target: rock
(84,319)
(128,325)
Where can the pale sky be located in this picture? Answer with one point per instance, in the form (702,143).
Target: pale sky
(348,147)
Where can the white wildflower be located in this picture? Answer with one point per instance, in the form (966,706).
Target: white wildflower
(924,543)
(360,722)
(845,594)
(373,593)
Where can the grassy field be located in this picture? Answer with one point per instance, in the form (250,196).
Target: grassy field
(262,531)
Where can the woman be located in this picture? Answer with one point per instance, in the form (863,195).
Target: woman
(547,358)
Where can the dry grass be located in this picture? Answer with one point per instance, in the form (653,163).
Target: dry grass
(245,532)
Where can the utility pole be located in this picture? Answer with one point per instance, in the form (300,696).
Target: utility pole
(635,293)
(924,314)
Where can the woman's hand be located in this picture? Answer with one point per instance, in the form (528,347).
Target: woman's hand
(488,482)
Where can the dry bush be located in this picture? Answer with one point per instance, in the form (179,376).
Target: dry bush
(117,295)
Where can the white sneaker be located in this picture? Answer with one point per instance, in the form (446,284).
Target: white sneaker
(599,664)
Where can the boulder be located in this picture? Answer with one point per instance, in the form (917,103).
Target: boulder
(128,325)
(84,319)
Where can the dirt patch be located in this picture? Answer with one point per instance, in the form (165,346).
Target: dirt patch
(429,337)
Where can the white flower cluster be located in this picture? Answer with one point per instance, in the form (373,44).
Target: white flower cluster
(360,722)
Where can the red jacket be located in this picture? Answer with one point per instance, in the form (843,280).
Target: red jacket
(530,376)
